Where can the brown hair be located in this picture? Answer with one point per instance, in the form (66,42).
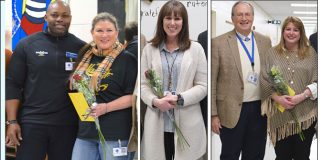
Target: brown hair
(104,16)
(130,30)
(176,7)
(303,46)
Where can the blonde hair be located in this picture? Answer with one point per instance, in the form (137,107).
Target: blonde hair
(303,45)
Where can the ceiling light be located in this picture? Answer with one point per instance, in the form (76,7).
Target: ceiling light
(304,12)
(313,18)
(310,22)
(303,5)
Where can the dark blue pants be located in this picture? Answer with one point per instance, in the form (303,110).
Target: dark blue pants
(38,140)
(248,137)
(293,148)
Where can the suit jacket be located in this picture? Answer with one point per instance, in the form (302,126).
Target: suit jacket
(202,39)
(313,40)
(227,77)
(192,85)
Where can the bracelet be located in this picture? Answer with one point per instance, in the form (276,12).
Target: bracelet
(305,95)
(11,122)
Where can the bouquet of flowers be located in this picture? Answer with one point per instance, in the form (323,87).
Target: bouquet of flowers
(281,88)
(156,85)
(81,83)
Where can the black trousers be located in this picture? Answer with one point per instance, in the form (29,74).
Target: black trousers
(293,148)
(169,145)
(248,136)
(38,140)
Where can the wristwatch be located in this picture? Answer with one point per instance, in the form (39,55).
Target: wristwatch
(180,100)
(11,122)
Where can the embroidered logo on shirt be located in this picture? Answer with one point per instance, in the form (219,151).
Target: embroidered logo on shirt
(41,53)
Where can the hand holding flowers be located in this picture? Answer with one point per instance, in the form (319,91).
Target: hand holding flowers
(284,97)
(284,101)
(100,109)
(165,103)
(81,83)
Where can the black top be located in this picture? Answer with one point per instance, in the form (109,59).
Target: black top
(202,39)
(37,77)
(119,82)
(133,46)
(313,40)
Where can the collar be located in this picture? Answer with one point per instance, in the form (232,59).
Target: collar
(244,38)
(163,47)
(45,31)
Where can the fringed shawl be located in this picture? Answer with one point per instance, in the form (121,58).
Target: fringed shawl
(281,125)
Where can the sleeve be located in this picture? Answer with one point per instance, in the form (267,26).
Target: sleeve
(199,90)
(313,87)
(131,73)
(16,74)
(214,74)
(147,94)
(266,86)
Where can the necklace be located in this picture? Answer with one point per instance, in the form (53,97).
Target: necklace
(170,69)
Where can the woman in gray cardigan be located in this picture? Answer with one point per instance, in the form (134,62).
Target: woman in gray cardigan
(182,67)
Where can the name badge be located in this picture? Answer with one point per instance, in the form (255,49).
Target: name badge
(253,78)
(69,66)
(120,151)
(71,55)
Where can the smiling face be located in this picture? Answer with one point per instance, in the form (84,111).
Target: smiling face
(172,25)
(291,35)
(104,34)
(243,18)
(58,18)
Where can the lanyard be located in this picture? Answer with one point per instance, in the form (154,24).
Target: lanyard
(251,57)
(170,70)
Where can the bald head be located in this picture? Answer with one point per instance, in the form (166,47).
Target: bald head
(58,3)
(58,17)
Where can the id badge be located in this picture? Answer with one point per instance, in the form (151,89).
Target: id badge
(253,78)
(69,66)
(169,92)
(119,151)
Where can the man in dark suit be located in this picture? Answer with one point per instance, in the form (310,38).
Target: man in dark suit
(202,39)
(237,57)
(313,40)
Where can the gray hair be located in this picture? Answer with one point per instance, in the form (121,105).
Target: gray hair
(242,2)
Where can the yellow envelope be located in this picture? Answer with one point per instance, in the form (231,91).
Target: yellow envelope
(80,104)
(291,92)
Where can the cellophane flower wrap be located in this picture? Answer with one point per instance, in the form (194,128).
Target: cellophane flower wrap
(81,83)
(156,86)
(282,88)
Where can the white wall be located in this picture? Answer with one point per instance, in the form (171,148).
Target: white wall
(197,14)
(82,15)
(223,16)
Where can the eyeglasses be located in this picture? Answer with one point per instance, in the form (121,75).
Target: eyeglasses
(241,15)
